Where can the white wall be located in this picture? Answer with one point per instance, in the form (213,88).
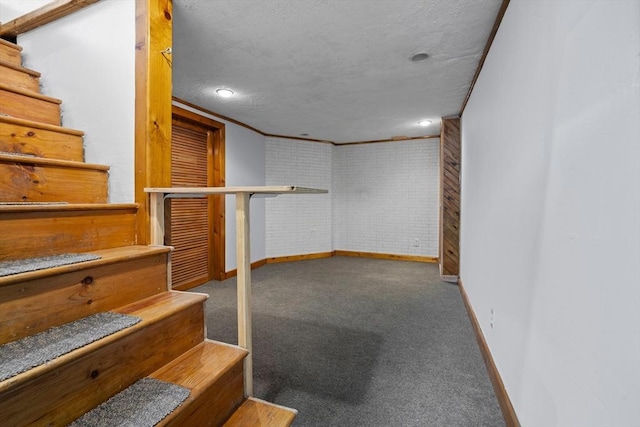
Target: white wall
(11,9)
(298,224)
(385,197)
(244,165)
(550,232)
(87,59)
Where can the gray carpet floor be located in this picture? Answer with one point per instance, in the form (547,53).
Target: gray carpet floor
(360,342)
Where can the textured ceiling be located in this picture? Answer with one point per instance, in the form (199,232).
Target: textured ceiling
(337,70)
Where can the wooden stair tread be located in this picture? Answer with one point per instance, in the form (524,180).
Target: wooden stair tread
(19,158)
(70,207)
(150,310)
(30,93)
(40,125)
(64,389)
(255,412)
(201,365)
(19,68)
(10,52)
(108,256)
(38,179)
(10,45)
(32,303)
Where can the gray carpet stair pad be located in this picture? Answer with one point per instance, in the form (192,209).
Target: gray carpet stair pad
(9,153)
(145,403)
(21,355)
(32,203)
(32,264)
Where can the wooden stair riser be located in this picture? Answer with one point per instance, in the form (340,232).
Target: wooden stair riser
(20,79)
(27,107)
(61,395)
(50,232)
(10,52)
(214,405)
(22,138)
(31,182)
(30,307)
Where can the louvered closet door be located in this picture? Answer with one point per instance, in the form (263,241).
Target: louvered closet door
(189,225)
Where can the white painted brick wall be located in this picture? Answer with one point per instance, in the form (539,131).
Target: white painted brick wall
(382,197)
(385,196)
(298,224)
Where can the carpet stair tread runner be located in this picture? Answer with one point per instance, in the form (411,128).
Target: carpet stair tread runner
(27,265)
(171,323)
(143,404)
(34,301)
(89,332)
(35,350)
(75,262)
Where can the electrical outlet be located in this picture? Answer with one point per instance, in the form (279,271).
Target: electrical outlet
(416,243)
(492,319)
(313,232)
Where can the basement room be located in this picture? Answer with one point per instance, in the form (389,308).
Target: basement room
(320,213)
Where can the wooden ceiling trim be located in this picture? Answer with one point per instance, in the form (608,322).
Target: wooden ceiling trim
(296,138)
(377,141)
(211,113)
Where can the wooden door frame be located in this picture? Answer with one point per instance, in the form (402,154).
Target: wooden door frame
(215,178)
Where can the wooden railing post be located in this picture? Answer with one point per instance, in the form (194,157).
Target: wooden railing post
(243,247)
(156,224)
(243,284)
(156,220)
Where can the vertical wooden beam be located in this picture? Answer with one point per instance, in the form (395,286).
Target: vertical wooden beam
(450,199)
(243,260)
(153,105)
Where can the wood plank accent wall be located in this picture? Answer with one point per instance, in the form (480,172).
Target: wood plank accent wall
(450,197)
(153,105)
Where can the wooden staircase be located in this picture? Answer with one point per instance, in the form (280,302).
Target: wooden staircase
(51,202)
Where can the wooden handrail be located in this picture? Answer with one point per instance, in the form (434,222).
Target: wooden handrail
(158,196)
(48,13)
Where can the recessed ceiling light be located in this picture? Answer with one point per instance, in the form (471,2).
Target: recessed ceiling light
(225,93)
(419,57)
(425,123)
